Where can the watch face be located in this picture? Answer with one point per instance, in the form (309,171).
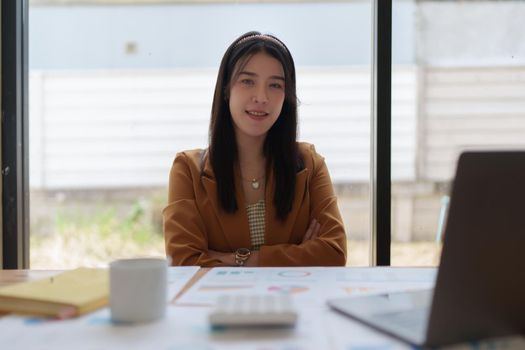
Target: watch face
(242,252)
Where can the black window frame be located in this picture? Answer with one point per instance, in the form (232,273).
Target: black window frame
(15,136)
(381,127)
(14,118)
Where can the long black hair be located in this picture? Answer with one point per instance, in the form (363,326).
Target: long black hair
(280,147)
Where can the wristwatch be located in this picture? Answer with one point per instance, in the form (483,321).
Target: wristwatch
(241,256)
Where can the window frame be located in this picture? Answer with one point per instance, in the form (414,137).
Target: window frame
(14,134)
(381,134)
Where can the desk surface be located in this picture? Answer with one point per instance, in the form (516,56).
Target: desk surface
(186,327)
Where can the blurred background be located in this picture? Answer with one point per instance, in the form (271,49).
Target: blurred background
(117,88)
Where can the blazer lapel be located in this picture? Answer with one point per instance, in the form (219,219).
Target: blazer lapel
(234,226)
(276,230)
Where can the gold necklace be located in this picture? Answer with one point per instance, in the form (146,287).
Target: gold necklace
(254,182)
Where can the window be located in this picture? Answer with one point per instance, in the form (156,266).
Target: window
(467,86)
(112,101)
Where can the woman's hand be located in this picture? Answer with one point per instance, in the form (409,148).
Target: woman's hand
(225,258)
(312,231)
(229,258)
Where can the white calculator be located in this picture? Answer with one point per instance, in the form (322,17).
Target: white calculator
(254,310)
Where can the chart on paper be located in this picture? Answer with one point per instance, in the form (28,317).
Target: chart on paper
(309,286)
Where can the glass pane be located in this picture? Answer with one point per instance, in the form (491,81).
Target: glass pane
(467,90)
(117,90)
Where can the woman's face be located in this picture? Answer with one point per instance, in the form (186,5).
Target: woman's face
(257,96)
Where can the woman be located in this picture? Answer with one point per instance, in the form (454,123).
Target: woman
(255,197)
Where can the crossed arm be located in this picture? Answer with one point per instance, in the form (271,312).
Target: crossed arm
(229,258)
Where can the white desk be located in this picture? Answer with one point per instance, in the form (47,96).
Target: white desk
(185,326)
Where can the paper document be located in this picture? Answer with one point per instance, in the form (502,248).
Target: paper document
(178,276)
(309,286)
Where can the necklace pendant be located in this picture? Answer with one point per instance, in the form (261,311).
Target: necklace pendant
(255,184)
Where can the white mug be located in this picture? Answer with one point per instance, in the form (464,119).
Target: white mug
(137,289)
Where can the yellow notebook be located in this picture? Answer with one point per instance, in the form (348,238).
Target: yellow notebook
(68,294)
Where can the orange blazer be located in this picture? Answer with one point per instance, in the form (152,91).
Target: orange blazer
(195,222)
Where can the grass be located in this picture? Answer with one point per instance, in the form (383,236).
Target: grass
(95,240)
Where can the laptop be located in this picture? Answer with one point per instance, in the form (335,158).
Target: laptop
(480,286)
